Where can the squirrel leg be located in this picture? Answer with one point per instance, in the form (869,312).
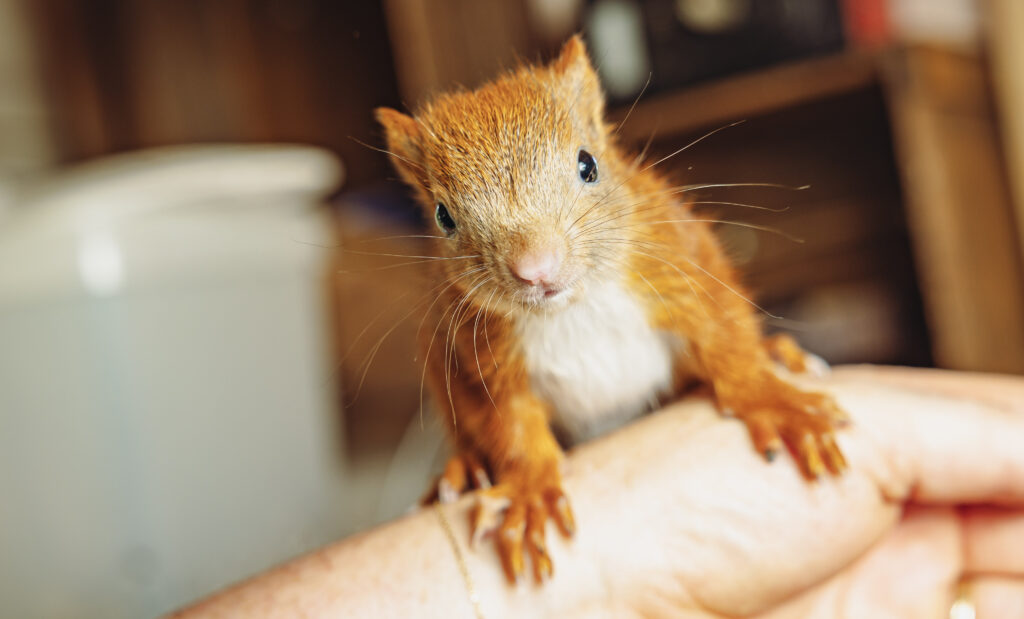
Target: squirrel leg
(505,431)
(500,427)
(526,461)
(776,413)
(702,304)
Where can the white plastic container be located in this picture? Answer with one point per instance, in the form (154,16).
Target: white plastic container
(166,403)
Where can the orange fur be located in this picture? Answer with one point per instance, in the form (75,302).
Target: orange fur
(501,159)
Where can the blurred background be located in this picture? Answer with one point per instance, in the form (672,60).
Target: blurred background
(206,354)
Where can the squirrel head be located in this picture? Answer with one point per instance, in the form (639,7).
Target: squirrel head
(522,178)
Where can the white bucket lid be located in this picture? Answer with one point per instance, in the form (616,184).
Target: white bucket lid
(154,213)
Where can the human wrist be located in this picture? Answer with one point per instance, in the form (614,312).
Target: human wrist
(577,581)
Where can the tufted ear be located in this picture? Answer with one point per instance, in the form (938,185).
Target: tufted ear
(573,68)
(404,145)
(573,61)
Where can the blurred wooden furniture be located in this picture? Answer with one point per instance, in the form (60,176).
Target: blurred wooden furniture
(27,143)
(848,289)
(123,74)
(441,44)
(959,208)
(753,94)
(1006,54)
(379,299)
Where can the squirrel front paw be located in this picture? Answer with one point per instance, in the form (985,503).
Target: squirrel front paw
(517,510)
(777,413)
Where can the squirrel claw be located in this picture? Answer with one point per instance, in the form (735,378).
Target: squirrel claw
(446,492)
(543,569)
(463,472)
(810,456)
(562,514)
(510,541)
(486,514)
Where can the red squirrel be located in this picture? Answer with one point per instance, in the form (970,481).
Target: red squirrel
(576,291)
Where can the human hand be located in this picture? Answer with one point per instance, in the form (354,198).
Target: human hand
(689,521)
(677,516)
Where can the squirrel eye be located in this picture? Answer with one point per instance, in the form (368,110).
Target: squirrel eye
(587,167)
(444,219)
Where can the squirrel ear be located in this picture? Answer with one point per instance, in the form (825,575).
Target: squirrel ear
(573,60)
(403,139)
(573,68)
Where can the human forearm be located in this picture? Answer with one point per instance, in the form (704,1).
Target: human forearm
(409,568)
(393,570)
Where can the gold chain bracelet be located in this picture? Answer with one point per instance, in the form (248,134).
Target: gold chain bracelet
(474,597)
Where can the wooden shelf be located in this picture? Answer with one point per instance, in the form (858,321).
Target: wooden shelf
(749,94)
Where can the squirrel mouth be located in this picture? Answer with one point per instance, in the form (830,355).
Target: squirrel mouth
(542,295)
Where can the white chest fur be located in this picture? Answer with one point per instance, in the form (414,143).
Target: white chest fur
(597,362)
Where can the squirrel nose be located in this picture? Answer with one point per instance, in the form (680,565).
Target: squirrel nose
(534,268)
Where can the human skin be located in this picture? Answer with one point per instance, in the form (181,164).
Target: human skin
(677,516)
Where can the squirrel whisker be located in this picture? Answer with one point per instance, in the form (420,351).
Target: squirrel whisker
(741,224)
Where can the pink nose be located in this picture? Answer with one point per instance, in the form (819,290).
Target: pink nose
(536,268)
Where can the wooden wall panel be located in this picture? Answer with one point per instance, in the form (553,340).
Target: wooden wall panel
(959,208)
(1006,50)
(126,74)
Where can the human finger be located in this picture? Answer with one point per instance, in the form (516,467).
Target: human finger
(999,390)
(930,448)
(996,597)
(993,541)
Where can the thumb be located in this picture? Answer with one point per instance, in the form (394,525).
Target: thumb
(937,449)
